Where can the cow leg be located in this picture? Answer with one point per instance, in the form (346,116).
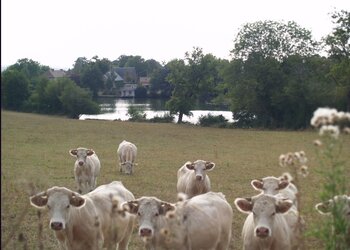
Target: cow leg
(123,244)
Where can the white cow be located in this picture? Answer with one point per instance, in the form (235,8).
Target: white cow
(273,185)
(265,227)
(203,222)
(91,221)
(338,206)
(86,169)
(192,178)
(127,152)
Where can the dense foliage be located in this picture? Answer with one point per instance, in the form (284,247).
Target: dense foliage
(277,76)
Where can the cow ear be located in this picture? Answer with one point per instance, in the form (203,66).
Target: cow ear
(283,206)
(209,165)
(39,200)
(257,184)
(323,207)
(77,200)
(73,152)
(283,184)
(190,165)
(245,205)
(166,207)
(90,152)
(131,206)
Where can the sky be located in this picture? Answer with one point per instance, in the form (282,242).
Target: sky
(55,33)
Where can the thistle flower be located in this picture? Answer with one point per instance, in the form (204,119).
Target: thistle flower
(317,143)
(303,170)
(330,130)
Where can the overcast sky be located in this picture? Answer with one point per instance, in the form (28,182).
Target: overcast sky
(55,33)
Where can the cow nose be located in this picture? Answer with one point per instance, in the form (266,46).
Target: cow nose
(81,163)
(262,232)
(198,177)
(56,225)
(145,232)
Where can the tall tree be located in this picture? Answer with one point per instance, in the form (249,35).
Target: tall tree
(14,89)
(338,43)
(273,39)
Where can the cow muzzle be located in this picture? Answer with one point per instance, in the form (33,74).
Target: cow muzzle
(81,163)
(199,177)
(56,226)
(262,232)
(145,232)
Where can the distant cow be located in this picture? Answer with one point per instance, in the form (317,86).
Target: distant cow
(273,185)
(203,222)
(127,152)
(265,227)
(86,169)
(343,203)
(192,178)
(90,221)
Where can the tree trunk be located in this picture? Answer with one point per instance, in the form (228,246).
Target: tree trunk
(179,120)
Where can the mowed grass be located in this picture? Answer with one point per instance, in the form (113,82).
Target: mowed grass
(34,157)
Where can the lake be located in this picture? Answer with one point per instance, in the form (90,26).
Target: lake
(117,109)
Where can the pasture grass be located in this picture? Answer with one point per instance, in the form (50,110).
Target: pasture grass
(34,157)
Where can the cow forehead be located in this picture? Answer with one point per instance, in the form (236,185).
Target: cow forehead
(149,204)
(59,197)
(199,164)
(264,204)
(82,151)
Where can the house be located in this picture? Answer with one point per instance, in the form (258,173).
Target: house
(145,81)
(53,74)
(121,81)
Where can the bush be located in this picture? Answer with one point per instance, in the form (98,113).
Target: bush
(167,118)
(136,114)
(213,121)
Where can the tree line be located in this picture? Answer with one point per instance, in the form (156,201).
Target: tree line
(277,77)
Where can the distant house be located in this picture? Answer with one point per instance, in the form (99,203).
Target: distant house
(53,74)
(121,81)
(145,82)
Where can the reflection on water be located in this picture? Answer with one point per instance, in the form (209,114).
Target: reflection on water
(117,109)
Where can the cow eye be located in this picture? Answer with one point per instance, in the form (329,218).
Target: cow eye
(273,213)
(48,207)
(138,213)
(67,206)
(157,214)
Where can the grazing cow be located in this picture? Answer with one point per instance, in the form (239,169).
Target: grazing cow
(91,221)
(273,185)
(192,178)
(127,152)
(265,227)
(343,203)
(86,169)
(338,206)
(203,222)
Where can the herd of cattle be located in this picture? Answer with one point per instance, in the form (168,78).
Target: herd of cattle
(104,216)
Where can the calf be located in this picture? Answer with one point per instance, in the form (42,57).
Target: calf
(265,227)
(86,169)
(203,222)
(127,152)
(90,221)
(192,178)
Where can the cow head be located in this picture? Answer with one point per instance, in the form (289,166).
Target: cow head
(340,204)
(81,154)
(269,185)
(264,209)
(200,167)
(127,167)
(150,211)
(58,200)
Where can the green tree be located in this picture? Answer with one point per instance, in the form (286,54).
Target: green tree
(181,101)
(92,78)
(273,39)
(14,89)
(339,51)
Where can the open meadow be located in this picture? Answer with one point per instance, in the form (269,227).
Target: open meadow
(34,157)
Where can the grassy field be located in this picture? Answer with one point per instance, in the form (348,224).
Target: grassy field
(34,157)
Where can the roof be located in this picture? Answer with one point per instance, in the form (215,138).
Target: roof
(52,73)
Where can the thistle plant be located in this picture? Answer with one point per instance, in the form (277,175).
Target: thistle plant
(296,162)
(332,126)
